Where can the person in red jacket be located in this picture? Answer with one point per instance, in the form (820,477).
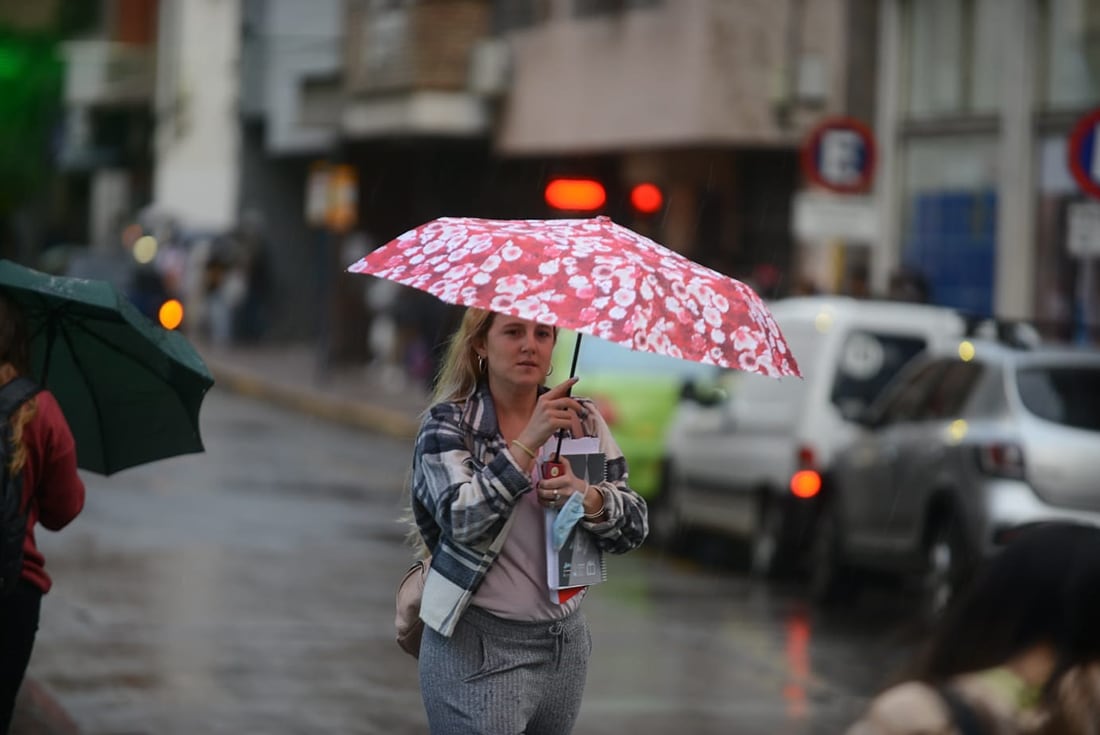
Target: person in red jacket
(53,494)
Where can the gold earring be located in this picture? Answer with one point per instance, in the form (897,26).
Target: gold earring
(481,363)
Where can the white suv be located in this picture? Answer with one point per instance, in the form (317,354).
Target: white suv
(747,459)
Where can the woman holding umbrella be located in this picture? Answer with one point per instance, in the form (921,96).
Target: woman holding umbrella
(498,656)
(43,452)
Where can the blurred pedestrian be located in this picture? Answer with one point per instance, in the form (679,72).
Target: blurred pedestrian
(497,655)
(907,284)
(1019,652)
(254,258)
(226,286)
(42,452)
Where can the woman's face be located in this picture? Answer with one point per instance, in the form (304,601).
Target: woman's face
(517,351)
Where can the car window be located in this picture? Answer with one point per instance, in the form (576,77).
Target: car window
(950,391)
(868,362)
(904,401)
(1065,395)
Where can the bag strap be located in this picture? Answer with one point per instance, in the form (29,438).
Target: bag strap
(963,714)
(15,392)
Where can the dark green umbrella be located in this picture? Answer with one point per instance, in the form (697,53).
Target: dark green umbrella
(130,389)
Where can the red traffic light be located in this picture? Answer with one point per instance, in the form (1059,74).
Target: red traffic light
(647,198)
(579,195)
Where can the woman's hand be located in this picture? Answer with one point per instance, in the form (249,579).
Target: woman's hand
(554,491)
(555,410)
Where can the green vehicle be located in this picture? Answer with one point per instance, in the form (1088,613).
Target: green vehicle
(637,394)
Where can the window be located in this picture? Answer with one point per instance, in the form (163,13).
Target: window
(954,67)
(512,15)
(1069,396)
(949,395)
(585,8)
(950,218)
(868,361)
(905,400)
(1071,53)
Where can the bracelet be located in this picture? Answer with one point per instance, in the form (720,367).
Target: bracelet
(598,513)
(526,449)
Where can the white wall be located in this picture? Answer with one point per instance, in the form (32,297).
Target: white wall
(198,127)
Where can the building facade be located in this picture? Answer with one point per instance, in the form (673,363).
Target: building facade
(977,103)
(472,107)
(709,100)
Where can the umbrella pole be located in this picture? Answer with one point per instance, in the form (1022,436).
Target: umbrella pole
(572,372)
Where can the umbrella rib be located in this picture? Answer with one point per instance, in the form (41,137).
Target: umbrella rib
(103,446)
(192,422)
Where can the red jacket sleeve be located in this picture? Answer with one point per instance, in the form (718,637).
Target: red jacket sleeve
(59,491)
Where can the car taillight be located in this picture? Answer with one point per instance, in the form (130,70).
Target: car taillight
(1001,459)
(806,481)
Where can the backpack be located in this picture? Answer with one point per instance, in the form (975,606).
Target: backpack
(13,516)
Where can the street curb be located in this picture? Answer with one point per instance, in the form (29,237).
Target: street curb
(315,403)
(38,712)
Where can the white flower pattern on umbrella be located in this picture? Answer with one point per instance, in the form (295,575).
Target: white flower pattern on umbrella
(593,276)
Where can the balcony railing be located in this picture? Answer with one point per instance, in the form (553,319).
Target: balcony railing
(427,46)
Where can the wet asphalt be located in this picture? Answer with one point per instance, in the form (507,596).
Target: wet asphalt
(249,589)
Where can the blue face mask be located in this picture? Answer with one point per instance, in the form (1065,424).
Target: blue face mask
(567,518)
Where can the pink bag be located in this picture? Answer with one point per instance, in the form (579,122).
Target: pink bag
(409,626)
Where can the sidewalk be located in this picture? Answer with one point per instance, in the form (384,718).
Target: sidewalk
(287,375)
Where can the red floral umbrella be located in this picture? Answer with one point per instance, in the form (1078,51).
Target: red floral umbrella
(592,276)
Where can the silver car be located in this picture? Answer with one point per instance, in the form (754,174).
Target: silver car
(972,441)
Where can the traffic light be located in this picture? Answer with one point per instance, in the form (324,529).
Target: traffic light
(575,195)
(646,198)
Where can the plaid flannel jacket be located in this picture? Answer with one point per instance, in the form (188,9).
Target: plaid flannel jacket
(465,483)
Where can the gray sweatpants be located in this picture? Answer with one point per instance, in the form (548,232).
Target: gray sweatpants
(502,677)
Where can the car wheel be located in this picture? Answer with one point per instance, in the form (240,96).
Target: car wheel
(944,567)
(665,520)
(831,581)
(764,549)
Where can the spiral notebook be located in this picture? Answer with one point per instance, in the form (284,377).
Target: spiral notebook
(580,562)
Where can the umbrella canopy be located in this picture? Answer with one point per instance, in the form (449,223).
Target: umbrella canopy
(130,389)
(593,276)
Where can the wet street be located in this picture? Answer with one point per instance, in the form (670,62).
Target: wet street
(250,590)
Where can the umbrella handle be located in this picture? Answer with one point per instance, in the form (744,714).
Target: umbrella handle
(548,466)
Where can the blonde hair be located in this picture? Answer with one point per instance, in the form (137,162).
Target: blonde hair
(457,379)
(461,368)
(14,358)
(19,422)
